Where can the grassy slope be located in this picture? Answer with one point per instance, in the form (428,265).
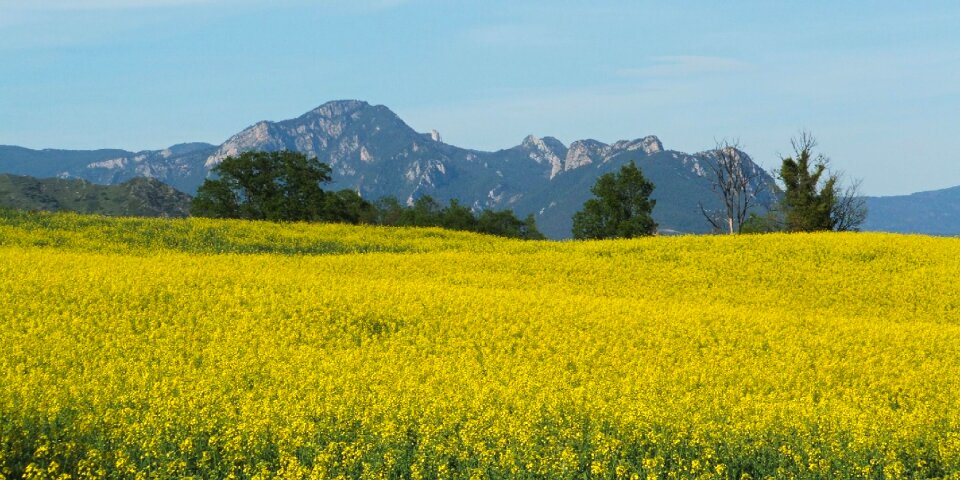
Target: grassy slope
(200,347)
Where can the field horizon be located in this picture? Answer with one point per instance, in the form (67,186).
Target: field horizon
(236,349)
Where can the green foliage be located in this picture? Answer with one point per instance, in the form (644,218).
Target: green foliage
(505,224)
(621,208)
(458,217)
(273,186)
(347,206)
(427,212)
(388,211)
(286,186)
(138,197)
(814,197)
(809,196)
(767,223)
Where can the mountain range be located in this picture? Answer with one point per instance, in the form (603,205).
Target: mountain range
(936,212)
(372,151)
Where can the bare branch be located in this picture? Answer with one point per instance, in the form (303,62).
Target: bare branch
(850,208)
(737,182)
(803,142)
(713,218)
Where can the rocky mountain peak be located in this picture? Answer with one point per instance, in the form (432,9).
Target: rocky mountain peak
(338,108)
(533,142)
(333,132)
(648,145)
(584,152)
(546,150)
(260,136)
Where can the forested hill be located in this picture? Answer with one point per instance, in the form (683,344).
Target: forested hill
(140,197)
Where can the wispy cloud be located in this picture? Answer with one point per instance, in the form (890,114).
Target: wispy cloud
(80,5)
(512,35)
(356,6)
(684,65)
(61,5)
(27,24)
(383,4)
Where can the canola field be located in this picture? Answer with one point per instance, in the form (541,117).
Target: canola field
(137,348)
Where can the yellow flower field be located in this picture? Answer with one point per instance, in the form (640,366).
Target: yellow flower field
(137,348)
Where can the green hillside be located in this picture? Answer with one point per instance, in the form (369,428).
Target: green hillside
(138,197)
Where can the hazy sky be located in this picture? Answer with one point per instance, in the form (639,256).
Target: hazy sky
(878,83)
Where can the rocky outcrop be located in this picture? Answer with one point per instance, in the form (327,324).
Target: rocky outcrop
(546,150)
(583,153)
(260,136)
(648,145)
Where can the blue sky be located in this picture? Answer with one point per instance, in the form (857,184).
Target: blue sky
(878,83)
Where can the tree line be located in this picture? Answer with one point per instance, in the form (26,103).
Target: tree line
(814,198)
(288,186)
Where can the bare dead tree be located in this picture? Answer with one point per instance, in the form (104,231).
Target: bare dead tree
(737,182)
(850,208)
(714,218)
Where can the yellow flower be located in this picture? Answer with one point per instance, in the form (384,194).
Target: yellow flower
(142,348)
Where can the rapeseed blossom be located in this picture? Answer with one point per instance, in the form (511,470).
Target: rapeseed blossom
(229,349)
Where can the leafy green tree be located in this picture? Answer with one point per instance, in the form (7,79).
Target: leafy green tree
(347,206)
(506,224)
(814,198)
(274,186)
(425,212)
(458,217)
(621,207)
(216,199)
(810,191)
(388,211)
(529,229)
(287,186)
